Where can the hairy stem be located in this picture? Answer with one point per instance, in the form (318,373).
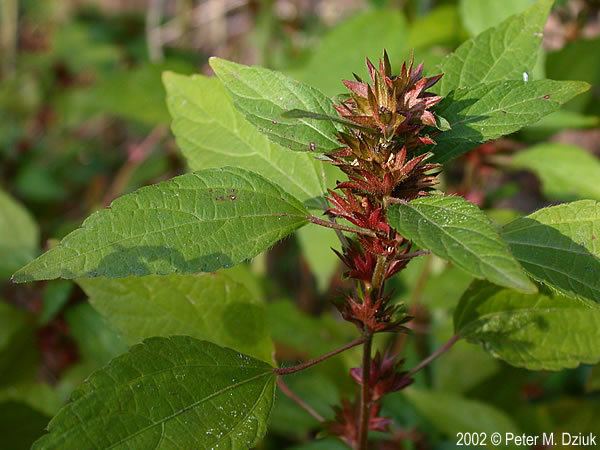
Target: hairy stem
(296,399)
(314,362)
(337,226)
(440,351)
(365,394)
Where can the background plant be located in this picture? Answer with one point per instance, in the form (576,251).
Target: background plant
(203,117)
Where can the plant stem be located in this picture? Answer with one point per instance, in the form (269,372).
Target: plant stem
(365,394)
(301,403)
(314,362)
(379,275)
(337,226)
(440,351)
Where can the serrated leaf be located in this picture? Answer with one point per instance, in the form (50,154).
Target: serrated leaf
(19,236)
(197,222)
(478,16)
(538,332)
(456,230)
(175,392)
(560,246)
(489,111)
(212,133)
(500,53)
(342,51)
(453,414)
(212,306)
(263,95)
(567,172)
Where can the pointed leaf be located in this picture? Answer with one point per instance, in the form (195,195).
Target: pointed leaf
(19,236)
(460,232)
(212,133)
(489,111)
(538,332)
(560,246)
(197,222)
(190,305)
(500,53)
(263,96)
(556,164)
(175,392)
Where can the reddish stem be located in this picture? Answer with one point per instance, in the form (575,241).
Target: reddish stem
(365,395)
(337,226)
(440,351)
(301,403)
(314,362)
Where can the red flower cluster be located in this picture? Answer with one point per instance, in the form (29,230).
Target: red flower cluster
(380,154)
(384,378)
(345,425)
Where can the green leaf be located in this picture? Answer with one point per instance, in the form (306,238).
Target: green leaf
(453,414)
(97,341)
(489,111)
(212,133)
(212,306)
(197,222)
(500,53)
(19,236)
(263,95)
(175,392)
(560,246)
(456,230)
(343,50)
(478,16)
(567,172)
(538,332)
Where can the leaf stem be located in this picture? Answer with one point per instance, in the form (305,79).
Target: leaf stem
(301,403)
(440,351)
(314,362)
(337,226)
(365,394)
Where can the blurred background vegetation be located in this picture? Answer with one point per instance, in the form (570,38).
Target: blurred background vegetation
(83,120)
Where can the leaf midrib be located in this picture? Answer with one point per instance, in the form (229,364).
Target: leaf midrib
(504,275)
(196,404)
